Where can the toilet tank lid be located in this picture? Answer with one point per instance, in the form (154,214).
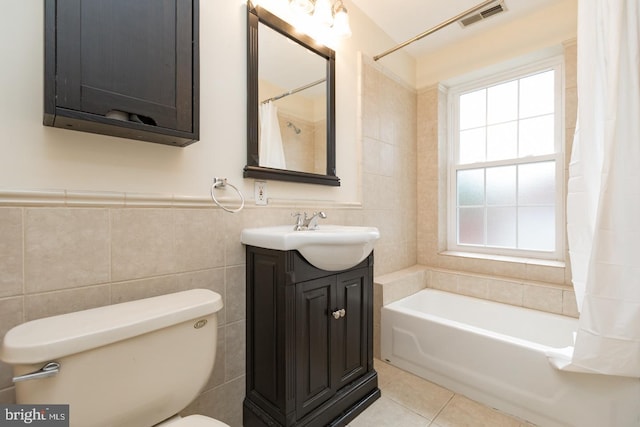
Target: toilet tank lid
(49,338)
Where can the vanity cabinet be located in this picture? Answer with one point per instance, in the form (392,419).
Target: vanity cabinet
(123,68)
(309,341)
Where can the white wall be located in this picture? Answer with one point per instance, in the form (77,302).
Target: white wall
(35,157)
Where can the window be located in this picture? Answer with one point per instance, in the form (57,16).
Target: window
(506,164)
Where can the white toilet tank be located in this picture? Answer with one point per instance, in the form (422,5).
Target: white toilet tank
(130,364)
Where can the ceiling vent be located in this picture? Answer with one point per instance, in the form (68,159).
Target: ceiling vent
(482,14)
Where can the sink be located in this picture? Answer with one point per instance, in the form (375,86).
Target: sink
(329,247)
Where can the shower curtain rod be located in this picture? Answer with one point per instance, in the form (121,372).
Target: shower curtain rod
(296,90)
(436,28)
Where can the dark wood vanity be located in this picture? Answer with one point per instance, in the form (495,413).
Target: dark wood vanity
(309,341)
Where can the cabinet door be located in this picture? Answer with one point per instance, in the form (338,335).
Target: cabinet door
(128,56)
(315,300)
(350,351)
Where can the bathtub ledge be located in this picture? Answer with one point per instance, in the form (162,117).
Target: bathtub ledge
(402,283)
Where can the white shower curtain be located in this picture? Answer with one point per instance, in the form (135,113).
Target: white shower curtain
(270,151)
(603,203)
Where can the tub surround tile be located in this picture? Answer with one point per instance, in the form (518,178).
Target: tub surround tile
(377,323)
(444,281)
(427,250)
(473,286)
(549,297)
(571,107)
(389,157)
(542,298)
(402,283)
(506,292)
(569,304)
(385,223)
(570,63)
(567,272)
(543,273)
(371,161)
(65,248)
(391,161)
(11,247)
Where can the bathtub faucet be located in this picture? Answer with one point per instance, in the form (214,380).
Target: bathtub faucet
(305,222)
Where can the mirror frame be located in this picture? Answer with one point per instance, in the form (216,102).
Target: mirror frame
(256,15)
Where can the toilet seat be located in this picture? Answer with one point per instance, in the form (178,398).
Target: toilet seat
(192,421)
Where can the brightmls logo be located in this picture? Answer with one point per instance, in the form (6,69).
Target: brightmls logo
(34,415)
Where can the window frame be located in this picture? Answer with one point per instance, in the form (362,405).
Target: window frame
(476,82)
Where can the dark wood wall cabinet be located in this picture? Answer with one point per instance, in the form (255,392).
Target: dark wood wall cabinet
(123,68)
(309,341)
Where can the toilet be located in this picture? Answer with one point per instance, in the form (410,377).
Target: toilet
(134,364)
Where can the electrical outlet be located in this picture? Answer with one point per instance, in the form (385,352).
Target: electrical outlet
(260,192)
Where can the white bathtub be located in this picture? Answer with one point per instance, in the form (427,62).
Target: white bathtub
(495,354)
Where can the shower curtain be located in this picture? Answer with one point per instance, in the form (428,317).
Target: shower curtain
(270,151)
(603,202)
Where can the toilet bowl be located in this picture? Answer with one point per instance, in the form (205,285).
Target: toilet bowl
(131,364)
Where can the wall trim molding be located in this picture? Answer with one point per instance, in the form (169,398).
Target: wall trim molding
(70,198)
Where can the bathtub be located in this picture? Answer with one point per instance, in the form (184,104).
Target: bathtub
(496,354)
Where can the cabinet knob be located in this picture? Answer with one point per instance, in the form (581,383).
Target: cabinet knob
(338,313)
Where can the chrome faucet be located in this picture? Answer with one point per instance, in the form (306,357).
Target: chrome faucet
(305,222)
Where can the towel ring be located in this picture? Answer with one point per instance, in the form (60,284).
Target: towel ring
(221,183)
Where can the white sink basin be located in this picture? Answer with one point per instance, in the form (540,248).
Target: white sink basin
(330,247)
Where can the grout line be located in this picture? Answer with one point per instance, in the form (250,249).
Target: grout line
(443,406)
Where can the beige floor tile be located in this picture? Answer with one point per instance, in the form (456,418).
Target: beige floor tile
(463,412)
(385,372)
(386,413)
(419,395)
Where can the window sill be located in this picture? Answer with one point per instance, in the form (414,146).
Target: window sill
(504,258)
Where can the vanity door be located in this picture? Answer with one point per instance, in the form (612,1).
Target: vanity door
(354,328)
(315,332)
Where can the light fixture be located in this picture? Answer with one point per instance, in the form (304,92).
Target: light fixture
(341,20)
(323,13)
(301,6)
(332,19)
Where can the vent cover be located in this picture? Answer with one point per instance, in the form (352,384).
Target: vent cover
(482,14)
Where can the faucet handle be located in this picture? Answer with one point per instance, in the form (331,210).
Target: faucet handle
(313,221)
(300,217)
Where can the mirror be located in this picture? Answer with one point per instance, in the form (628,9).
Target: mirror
(290,103)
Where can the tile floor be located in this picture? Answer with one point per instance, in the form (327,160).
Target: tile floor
(410,401)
